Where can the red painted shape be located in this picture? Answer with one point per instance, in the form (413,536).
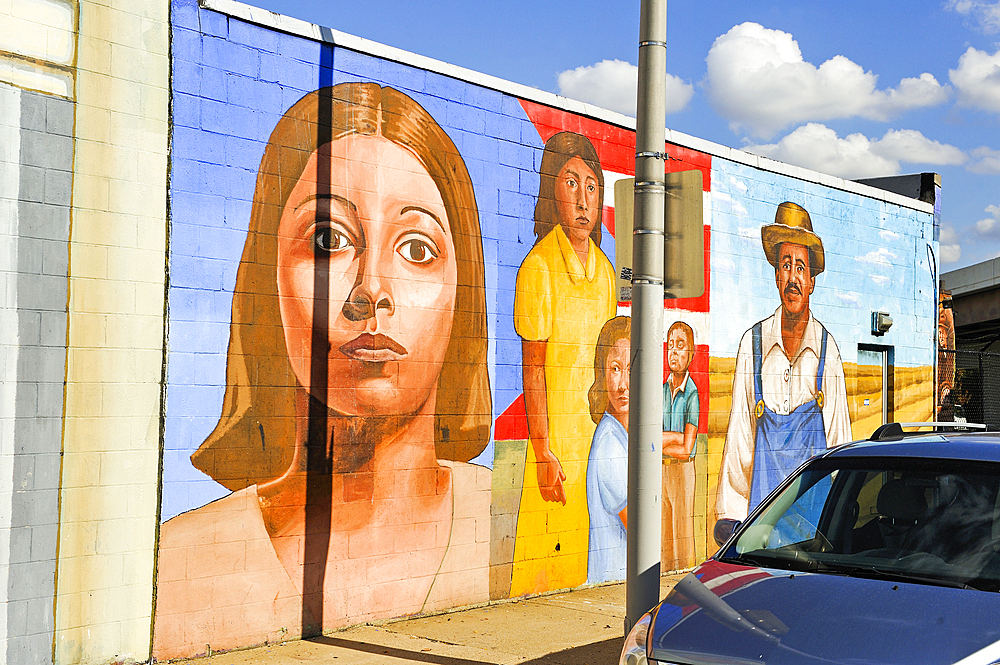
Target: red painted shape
(699,374)
(512,424)
(615,145)
(608,215)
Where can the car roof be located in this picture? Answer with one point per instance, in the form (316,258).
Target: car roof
(973,446)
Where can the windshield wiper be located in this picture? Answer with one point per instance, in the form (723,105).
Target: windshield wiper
(874,572)
(781,562)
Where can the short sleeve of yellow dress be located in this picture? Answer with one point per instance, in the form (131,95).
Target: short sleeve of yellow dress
(564,302)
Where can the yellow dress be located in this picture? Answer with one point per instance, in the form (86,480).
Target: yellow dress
(558,300)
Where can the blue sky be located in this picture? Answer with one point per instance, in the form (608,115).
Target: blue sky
(856,89)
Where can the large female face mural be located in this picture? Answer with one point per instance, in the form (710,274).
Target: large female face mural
(331,221)
(382,240)
(356,390)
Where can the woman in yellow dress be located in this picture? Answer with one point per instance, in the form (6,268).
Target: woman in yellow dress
(564,294)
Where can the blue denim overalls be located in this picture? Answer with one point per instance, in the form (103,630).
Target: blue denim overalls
(783,442)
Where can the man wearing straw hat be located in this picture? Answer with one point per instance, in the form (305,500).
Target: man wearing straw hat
(789,395)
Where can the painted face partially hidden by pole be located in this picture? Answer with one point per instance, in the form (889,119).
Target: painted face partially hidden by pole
(794,278)
(616,369)
(381,238)
(576,195)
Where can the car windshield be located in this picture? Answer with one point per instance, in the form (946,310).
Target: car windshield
(916,520)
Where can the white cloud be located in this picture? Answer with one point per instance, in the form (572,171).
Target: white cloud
(951,248)
(990,226)
(977,79)
(987,226)
(758,80)
(909,145)
(985,160)
(722,202)
(879,257)
(612,84)
(986,14)
(815,146)
(888,236)
(849,298)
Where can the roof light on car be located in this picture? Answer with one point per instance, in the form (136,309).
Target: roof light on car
(894,431)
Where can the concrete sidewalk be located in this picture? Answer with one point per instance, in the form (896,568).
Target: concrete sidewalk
(582,627)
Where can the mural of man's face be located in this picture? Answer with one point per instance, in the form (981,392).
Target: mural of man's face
(576,199)
(679,351)
(794,278)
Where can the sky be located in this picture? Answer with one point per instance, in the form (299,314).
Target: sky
(853,89)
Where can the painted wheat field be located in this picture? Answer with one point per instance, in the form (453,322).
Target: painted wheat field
(911,392)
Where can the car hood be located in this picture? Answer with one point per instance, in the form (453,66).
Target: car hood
(726,613)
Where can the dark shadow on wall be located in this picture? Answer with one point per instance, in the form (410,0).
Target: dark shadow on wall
(319,469)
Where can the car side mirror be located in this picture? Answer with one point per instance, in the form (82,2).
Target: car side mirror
(724,530)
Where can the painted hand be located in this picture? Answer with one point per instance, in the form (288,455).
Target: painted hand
(550,478)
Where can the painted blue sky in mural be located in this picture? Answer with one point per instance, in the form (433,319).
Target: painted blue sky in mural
(855,89)
(882,265)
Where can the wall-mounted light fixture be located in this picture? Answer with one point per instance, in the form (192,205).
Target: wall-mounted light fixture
(881,322)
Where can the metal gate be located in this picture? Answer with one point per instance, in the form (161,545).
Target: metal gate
(975,392)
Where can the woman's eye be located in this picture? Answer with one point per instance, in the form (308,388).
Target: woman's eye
(417,251)
(591,188)
(327,239)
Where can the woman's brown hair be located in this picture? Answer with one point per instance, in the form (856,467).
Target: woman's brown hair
(614,329)
(254,438)
(559,149)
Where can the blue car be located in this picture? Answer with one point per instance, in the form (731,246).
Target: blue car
(880,551)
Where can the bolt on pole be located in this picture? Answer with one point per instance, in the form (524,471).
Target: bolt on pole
(645,420)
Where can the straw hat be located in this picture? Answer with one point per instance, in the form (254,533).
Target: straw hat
(792,224)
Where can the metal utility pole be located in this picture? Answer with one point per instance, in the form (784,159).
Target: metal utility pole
(646,383)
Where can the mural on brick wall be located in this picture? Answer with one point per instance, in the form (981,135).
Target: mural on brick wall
(607,463)
(397,377)
(360,286)
(790,389)
(944,401)
(789,394)
(563,296)
(681,418)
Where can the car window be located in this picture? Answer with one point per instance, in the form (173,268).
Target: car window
(933,520)
(868,497)
(800,521)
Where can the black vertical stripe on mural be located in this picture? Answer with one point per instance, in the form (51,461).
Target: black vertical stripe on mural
(319,476)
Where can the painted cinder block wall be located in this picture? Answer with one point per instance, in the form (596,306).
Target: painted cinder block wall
(112,370)
(236,72)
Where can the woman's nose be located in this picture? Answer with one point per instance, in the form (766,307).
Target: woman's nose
(368,295)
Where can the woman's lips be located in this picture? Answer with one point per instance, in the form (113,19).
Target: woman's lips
(373,348)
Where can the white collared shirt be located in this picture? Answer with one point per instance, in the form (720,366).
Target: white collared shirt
(785,384)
